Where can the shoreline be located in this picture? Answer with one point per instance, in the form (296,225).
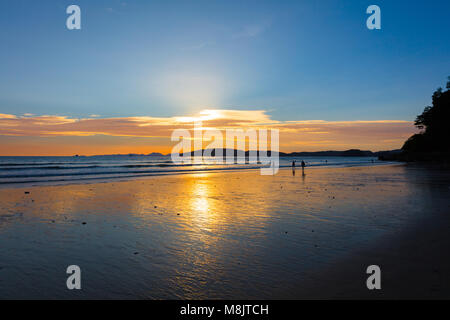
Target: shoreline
(94,180)
(226,234)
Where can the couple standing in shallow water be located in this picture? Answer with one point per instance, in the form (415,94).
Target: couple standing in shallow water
(303,165)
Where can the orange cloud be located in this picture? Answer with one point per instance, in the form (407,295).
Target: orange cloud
(7,116)
(156,131)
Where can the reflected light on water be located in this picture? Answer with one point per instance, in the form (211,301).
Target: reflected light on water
(208,235)
(200,194)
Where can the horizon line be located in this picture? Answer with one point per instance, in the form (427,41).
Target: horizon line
(169,154)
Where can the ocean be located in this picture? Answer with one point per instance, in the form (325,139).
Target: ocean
(22,171)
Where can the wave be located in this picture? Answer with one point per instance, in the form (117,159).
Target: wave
(100,166)
(42,171)
(103,175)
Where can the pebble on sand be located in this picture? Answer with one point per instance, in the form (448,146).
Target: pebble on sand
(83,222)
(27,192)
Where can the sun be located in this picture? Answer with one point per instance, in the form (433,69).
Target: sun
(204,115)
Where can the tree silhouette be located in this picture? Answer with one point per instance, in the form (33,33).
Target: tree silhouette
(435,125)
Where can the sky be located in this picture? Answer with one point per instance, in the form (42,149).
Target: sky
(137,66)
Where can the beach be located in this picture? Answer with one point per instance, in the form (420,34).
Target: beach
(231,235)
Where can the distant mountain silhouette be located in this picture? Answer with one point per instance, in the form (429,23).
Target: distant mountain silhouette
(330,153)
(346,153)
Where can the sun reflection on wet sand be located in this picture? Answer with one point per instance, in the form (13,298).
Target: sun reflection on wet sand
(207,235)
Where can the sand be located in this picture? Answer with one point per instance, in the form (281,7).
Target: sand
(232,235)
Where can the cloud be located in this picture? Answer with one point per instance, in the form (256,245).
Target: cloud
(378,134)
(48,125)
(7,116)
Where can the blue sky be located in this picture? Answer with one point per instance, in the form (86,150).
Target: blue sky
(299,60)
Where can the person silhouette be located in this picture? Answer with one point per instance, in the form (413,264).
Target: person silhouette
(303,167)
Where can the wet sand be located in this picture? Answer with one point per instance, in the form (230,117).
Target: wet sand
(231,235)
